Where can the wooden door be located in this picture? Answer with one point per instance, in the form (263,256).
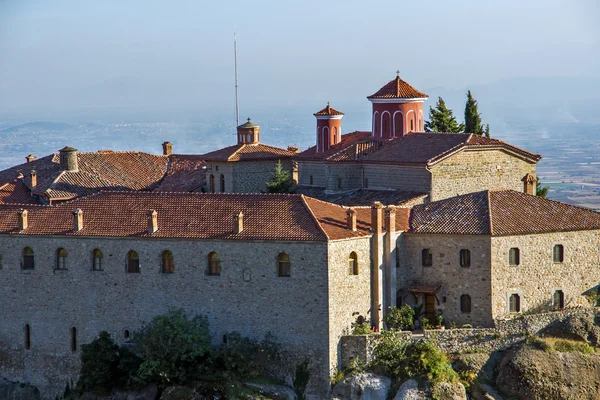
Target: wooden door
(430,307)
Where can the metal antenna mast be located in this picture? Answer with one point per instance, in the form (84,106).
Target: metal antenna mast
(237,106)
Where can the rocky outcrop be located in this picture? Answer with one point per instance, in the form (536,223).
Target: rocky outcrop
(410,390)
(526,372)
(449,391)
(363,386)
(581,328)
(481,391)
(17,391)
(274,391)
(150,392)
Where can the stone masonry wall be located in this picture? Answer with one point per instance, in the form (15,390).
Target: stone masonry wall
(455,280)
(398,177)
(248,297)
(218,169)
(343,176)
(315,169)
(252,176)
(537,276)
(476,170)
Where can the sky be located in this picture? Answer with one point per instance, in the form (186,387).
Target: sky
(147,53)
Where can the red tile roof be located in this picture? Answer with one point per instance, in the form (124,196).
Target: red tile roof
(15,192)
(328,111)
(350,145)
(184,174)
(500,213)
(248,152)
(397,89)
(361,197)
(195,215)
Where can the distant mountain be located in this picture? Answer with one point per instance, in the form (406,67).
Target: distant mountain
(39,125)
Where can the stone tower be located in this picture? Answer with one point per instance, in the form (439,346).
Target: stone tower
(248,133)
(329,128)
(397,109)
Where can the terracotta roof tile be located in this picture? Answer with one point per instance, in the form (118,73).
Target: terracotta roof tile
(397,89)
(15,192)
(500,213)
(328,110)
(344,149)
(361,197)
(184,174)
(248,152)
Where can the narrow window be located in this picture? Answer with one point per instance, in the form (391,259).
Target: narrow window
(61,258)
(214,264)
(97,257)
(310,180)
(73,339)
(412,125)
(399,300)
(385,126)
(558,253)
(224,339)
(559,300)
(366,183)
(515,303)
(339,182)
(27,337)
(353,264)
(212,184)
(1,261)
(514,256)
(465,258)
(133,262)
(168,266)
(426,258)
(222,184)
(465,303)
(217,168)
(283,265)
(28,259)
(126,334)
(397,257)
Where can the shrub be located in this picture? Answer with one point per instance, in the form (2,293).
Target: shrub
(389,353)
(400,318)
(549,345)
(247,358)
(301,379)
(426,324)
(170,346)
(361,326)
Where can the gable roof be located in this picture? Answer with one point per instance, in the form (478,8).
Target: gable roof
(351,146)
(500,213)
(248,152)
(397,89)
(195,216)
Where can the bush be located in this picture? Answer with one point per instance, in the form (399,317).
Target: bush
(301,379)
(550,345)
(361,326)
(400,318)
(389,353)
(170,346)
(247,358)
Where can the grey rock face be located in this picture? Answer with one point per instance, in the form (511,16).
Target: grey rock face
(363,386)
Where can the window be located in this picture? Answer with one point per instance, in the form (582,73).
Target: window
(222,184)
(366,183)
(310,180)
(558,253)
(27,337)
(168,266)
(558,300)
(97,257)
(465,258)
(353,264)
(133,262)
(212,184)
(126,334)
(412,122)
(399,300)
(0,261)
(61,258)
(514,303)
(28,260)
(217,168)
(426,258)
(214,264)
(73,339)
(397,257)
(283,265)
(465,303)
(339,183)
(514,256)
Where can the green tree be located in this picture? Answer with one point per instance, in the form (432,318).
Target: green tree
(540,190)
(171,347)
(400,318)
(473,122)
(99,362)
(441,119)
(280,180)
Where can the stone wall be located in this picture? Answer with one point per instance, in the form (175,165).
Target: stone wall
(316,169)
(252,176)
(475,170)
(398,177)
(216,170)
(248,297)
(344,176)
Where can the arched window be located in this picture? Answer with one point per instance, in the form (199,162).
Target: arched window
(168,266)
(28,258)
(558,253)
(61,258)
(334,136)
(465,303)
(214,264)
(514,305)
(353,264)
(325,138)
(97,257)
(376,131)
(73,339)
(212,183)
(385,124)
(398,124)
(27,337)
(426,258)
(283,265)
(558,300)
(514,256)
(133,262)
(465,258)
(126,334)
(222,184)
(248,138)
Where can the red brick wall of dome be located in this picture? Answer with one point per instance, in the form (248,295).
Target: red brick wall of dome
(397,119)
(329,133)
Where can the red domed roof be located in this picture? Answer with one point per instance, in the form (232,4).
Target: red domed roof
(328,111)
(397,89)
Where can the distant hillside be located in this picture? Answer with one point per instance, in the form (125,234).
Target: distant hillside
(39,125)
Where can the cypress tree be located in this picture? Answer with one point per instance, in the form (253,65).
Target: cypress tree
(441,119)
(472,117)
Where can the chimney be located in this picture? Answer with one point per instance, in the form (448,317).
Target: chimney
(390,219)
(33,178)
(68,159)
(152,221)
(167,148)
(529,183)
(30,158)
(238,222)
(376,217)
(77,220)
(351,219)
(22,219)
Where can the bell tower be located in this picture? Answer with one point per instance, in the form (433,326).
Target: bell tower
(248,133)
(329,128)
(397,109)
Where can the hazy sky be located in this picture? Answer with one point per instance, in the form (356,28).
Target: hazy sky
(181,52)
